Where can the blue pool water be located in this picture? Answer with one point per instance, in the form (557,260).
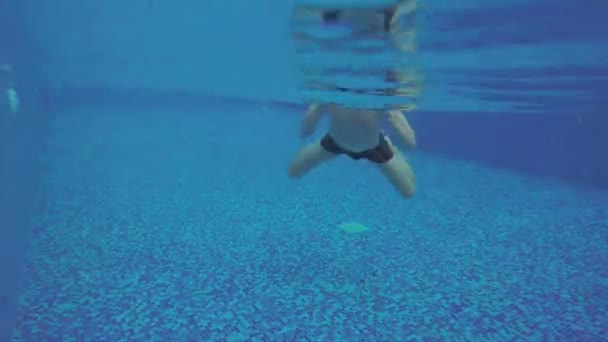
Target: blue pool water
(171,228)
(139,205)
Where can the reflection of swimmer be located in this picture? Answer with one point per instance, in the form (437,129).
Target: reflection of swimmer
(364,20)
(357,133)
(389,20)
(361,17)
(409,85)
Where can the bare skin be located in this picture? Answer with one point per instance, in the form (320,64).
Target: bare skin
(356,130)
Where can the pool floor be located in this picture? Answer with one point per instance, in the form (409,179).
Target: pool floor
(158,226)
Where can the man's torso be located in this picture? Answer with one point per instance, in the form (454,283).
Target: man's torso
(354,129)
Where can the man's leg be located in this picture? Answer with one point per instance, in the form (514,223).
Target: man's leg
(307,158)
(399,173)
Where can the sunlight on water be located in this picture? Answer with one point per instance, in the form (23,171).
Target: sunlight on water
(357,54)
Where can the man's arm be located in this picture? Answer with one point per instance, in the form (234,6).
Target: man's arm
(406,133)
(404,37)
(311,119)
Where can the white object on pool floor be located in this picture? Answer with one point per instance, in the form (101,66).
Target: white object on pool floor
(353,227)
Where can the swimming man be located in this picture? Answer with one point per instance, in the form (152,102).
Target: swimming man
(357,133)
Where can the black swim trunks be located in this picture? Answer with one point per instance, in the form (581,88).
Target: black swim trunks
(380,154)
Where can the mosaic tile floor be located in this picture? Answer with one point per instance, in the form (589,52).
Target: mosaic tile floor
(160,228)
